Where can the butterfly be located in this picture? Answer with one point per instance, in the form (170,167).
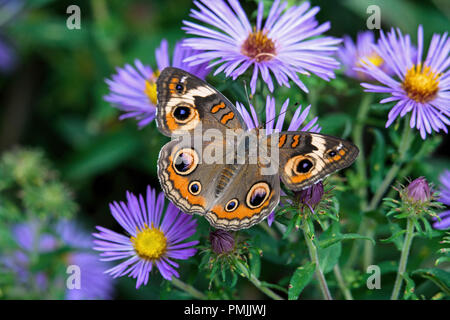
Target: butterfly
(241,186)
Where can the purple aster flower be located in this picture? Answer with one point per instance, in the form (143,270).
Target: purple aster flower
(444,223)
(153,239)
(221,241)
(420,87)
(133,89)
(274,123)
(287,44)
(352,54)
(94,284)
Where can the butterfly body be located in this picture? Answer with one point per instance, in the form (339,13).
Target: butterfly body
(215,167)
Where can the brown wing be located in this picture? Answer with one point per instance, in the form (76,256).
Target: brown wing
(306,158)
(185,102)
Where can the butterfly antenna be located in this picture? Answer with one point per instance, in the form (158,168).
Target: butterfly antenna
(273,119)
(246,92)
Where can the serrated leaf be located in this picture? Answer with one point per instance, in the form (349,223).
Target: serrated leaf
(440,277)
(300,279)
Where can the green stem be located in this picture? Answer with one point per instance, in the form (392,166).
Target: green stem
(341,283)
(405,143)
(368,245)
(256,282)
(360,163)
(403,258)
(358,140)
(188,288)
(313,253)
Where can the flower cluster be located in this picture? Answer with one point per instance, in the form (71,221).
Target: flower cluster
(74,247)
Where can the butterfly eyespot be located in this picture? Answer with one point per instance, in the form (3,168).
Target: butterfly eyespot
(182,113)
(195,187)
(179,87)
(332,153)
(231,205)
(185,161)
(257,195)
(304,166)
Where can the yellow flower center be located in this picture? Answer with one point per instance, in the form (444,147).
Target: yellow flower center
(373,58)
(421,84)
(150,243)
(150,87)
(258,46)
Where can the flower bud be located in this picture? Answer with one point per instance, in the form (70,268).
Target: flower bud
(311,196)
(221,241)
(419,190)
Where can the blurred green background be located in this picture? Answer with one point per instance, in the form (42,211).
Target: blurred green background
(53,97)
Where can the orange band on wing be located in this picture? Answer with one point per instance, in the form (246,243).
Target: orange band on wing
(296,140)
(227,117)
(181,184)
(241,212)
(217,107)
(300,177)
(282,141)
(172,84)
(171,123)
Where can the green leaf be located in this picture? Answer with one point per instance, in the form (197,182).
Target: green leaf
(300,279)
(409,288)
(442,260)
(290,227)
(394,236)
(329,257)
(440,277)
(339,237)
